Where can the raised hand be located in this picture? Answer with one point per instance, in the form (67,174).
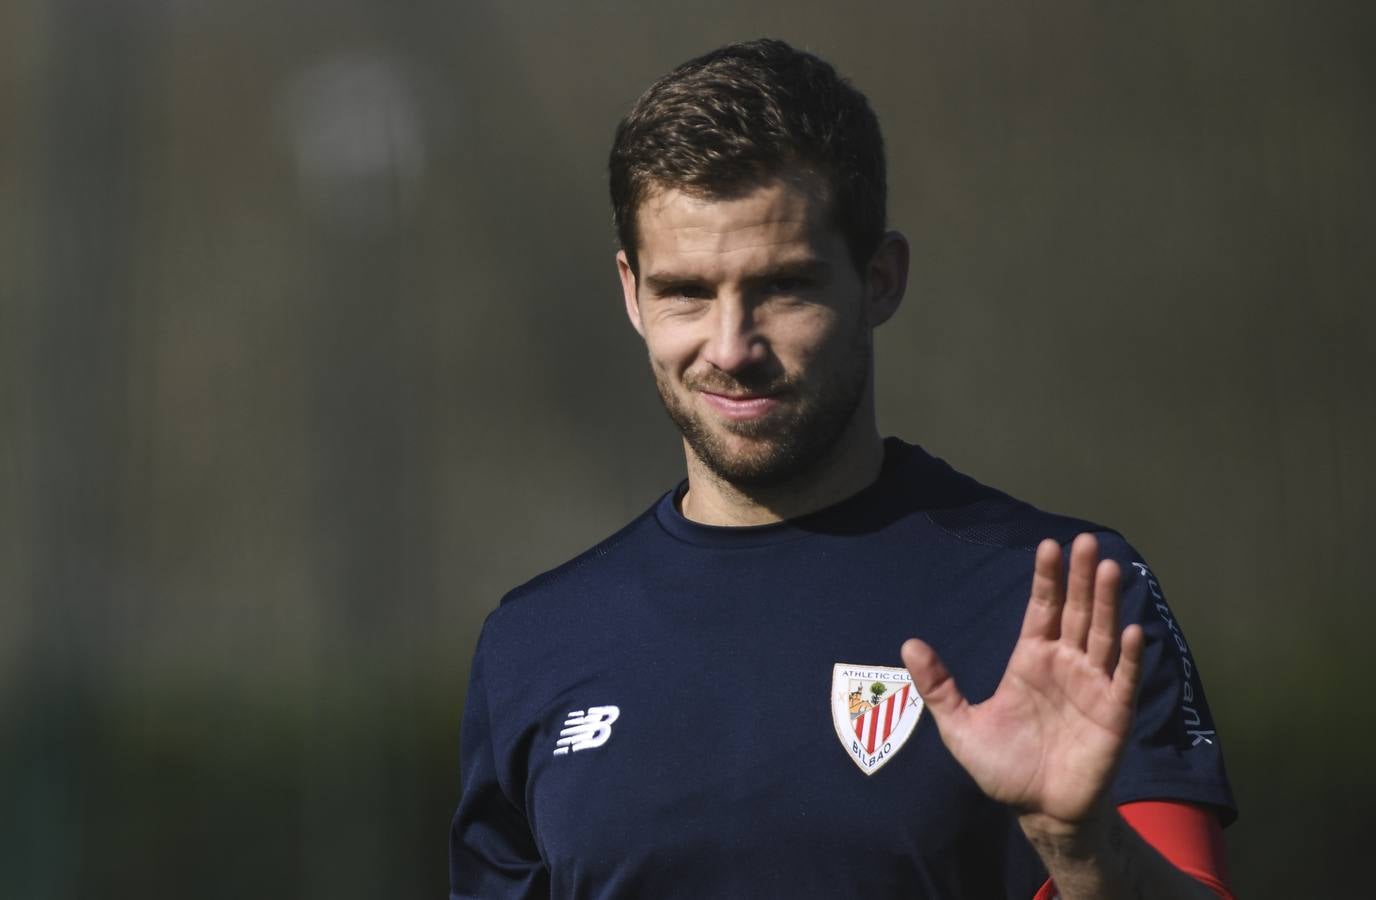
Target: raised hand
(1047,742)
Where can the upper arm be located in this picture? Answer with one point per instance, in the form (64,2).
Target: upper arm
(1174,751)
(492,851)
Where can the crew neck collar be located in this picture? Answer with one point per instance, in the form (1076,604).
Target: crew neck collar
(846,515)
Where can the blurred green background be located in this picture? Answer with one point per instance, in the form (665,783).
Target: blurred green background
(311,346)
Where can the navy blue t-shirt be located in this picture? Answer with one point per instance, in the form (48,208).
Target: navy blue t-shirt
(697,711)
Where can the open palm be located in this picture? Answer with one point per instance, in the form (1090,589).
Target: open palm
(1048,740)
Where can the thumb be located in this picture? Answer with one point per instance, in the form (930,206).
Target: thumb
(934,683)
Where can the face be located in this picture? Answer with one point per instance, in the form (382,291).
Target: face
(757,324)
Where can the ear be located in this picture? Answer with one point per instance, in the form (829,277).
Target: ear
(628,293)
(886,278)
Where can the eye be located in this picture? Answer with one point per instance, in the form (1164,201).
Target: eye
(690,292)
(788,285)
(682,292)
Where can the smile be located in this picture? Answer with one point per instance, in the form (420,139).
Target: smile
(742,407)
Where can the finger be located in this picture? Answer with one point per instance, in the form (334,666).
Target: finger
(1102,646)
(934,684)
(1079,591)
(1129,670)
(1043,618)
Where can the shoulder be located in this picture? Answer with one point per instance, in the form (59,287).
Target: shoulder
(585,575)
(976,513)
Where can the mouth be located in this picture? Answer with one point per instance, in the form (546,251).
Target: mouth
(741,407)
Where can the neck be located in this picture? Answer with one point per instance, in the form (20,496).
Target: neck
(849,467)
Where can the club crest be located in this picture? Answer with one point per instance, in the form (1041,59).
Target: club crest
(874,709)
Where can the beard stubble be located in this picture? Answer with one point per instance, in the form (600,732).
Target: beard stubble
(786,443)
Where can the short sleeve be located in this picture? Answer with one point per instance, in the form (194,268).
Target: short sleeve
(1175,752)
(492,852)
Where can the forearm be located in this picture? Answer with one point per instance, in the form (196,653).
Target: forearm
(1104,858)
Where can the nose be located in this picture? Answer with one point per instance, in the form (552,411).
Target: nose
(735,342)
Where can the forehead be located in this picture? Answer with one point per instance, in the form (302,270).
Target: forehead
(769,222)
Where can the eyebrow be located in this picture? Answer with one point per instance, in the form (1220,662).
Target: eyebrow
(812,269)
(660,282)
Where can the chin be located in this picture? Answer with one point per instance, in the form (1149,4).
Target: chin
(759,463)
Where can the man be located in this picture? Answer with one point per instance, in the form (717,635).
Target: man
(711,702)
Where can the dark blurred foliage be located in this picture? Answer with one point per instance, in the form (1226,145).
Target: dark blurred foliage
(310,347)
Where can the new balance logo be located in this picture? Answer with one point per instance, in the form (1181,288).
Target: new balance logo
(586,731)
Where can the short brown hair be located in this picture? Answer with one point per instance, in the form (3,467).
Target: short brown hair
(740,115)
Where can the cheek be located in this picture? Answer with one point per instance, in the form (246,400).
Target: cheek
(816,338)
(670,352)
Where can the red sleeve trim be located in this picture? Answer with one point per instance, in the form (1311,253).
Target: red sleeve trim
(1187,834)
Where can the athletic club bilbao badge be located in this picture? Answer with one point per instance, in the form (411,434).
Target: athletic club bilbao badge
(874,709)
